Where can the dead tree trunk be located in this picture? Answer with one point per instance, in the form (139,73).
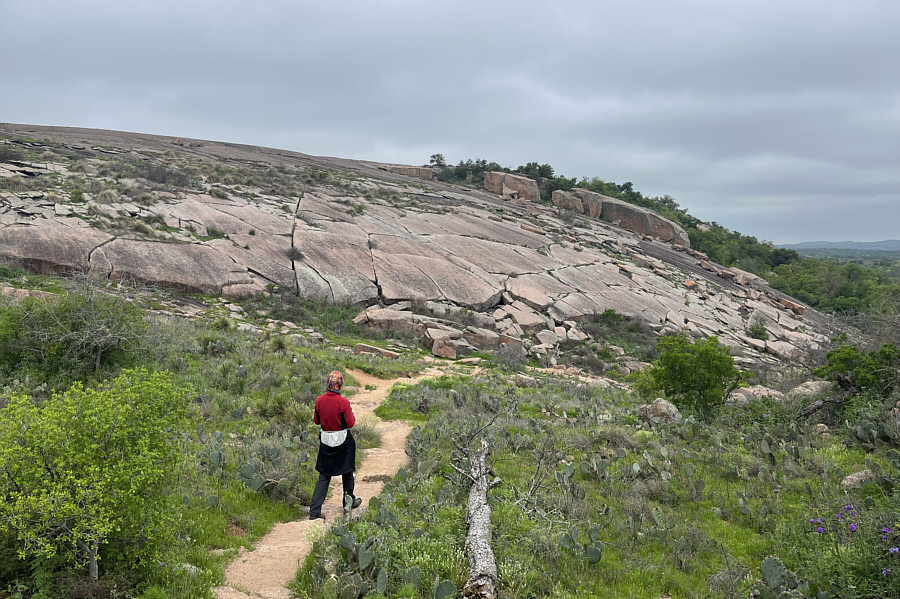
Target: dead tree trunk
(482,583)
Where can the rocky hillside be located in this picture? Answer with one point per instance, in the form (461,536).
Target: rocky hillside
(463,267)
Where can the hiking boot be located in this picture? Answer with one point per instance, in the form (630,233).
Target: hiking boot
(357,501)
(319,517)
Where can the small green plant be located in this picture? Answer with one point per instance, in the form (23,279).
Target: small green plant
(757,329)
(218,193)
(76,195)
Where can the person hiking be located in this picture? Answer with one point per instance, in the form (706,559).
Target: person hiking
(337,448)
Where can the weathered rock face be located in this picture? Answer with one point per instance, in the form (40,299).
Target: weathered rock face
(512,186)
(744,395)
(423,172)
(491,274)
(628,216)
(662,410)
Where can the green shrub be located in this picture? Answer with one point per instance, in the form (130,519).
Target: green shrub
(697,375)
(78,333)
(90,466)
(757,329)
(76,195)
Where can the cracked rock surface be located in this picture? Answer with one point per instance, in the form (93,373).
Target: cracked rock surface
(234,219)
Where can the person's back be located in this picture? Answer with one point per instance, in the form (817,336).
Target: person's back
(333,412)
(337,448)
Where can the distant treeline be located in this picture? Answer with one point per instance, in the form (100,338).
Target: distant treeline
(825,284)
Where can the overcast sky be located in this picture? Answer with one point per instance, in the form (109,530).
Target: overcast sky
(780,119)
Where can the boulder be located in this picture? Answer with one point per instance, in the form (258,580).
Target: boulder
(482,338)
(567,201)
(547,337)
(857,479)
(821,429)
(509,185)
(809,389)
(660,409)
(443,347)
(628,216)
(794,307)
(523,380)
(743,395)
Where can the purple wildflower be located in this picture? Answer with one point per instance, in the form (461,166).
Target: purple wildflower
(820,530)
(852,527)
(847,507)
(838,516)
(885,529)
(894,549)
(885,572)
(812,520)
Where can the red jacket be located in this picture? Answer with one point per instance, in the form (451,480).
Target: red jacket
(333,412)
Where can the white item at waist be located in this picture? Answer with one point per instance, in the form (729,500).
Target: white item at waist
(333,438)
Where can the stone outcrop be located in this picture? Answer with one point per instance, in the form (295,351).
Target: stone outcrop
(512,186)
(628,216)
(660,409)
(744,395)
(459,268)
(857,478)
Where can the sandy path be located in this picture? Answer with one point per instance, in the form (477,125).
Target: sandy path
(265,572)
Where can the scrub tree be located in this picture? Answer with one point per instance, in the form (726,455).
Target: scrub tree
(91,466)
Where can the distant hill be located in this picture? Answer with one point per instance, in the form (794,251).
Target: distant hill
(889,245)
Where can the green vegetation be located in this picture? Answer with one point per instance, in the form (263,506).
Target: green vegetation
(80,333)
(594,502)
(698,375)
(241,461)
(91,469)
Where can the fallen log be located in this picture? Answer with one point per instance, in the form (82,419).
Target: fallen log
(482,583)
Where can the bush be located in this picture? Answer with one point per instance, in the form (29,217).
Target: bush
(697,375)
(73,335)
(90,466)
(107,196)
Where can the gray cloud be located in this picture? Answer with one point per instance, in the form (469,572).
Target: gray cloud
(781,120)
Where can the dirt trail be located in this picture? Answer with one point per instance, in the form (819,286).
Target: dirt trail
(265,572)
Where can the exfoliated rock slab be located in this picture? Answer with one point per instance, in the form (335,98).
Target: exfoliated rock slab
(628,216)
(204,215)
(364,348)
(525,317)
(51,249)
(482,338)
(342,259)
(190,267)
(406,276)
(536,290)
(493,256)
(391,320)
(267,255)
(468,225)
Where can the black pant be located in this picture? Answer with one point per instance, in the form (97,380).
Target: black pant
(318,497)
